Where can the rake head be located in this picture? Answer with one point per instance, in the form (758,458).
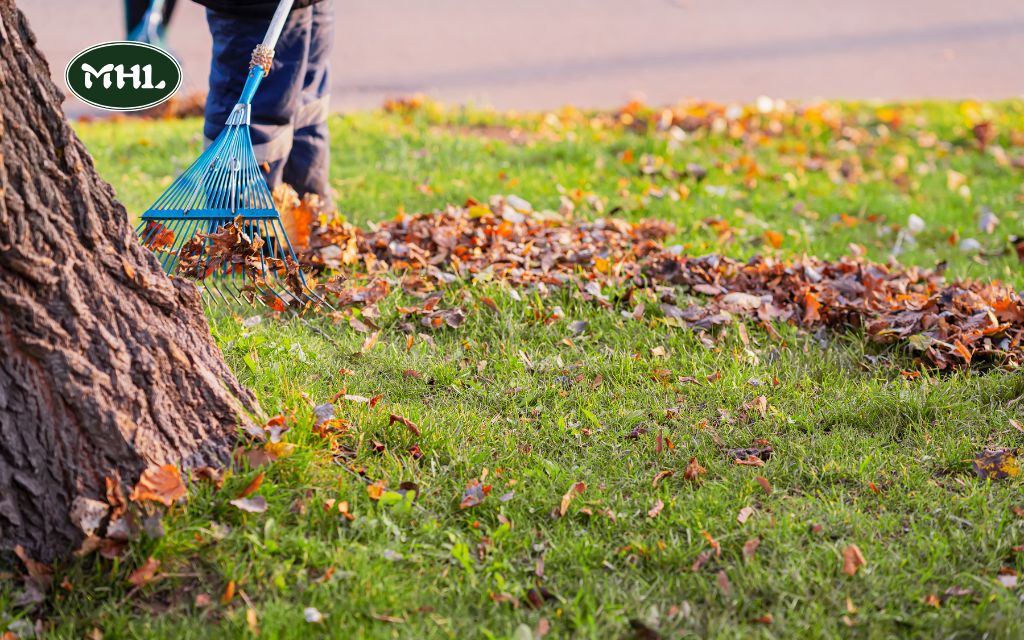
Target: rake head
(217,224)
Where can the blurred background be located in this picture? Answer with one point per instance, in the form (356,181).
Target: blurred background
(539,54)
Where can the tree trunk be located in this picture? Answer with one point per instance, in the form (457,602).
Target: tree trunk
(106,364)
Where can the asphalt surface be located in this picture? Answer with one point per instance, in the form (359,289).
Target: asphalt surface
(538,54)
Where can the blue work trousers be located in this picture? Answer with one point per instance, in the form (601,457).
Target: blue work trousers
(289,112)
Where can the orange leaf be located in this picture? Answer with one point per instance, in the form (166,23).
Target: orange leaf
(159,484)
(656,509)
(252,486)
(145,573)
(714,543)
(693,470)
(575,490)
(853,559)
(409,424)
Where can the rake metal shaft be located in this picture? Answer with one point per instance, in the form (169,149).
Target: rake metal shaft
(217,221)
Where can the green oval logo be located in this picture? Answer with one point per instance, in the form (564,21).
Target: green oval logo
(123,76)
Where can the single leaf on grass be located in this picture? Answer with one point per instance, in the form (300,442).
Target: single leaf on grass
(701,560)
(661,475)
(38,572)
(996,464)
(759,404)
(211,475)
(369,343)
(474,494)
(723,582)
(749,461)
(744,514)
(575,490)
(376,489)
(159,484)
(853,559)
(656,509)
(767,486)
(252,486)
(251,505)
(251,621)
(312,615)
(750,548)
(714,543)
(145,573)
(693,470)
(409,424)
(279,449)
(229,593)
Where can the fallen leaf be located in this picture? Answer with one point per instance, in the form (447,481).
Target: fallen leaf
(853,559)
(723,582)
(159,484)
(251,621)
(700,561)
(750,548)
(145,573)
(714,543)
(656,509)
(376,489)
(252,486)
(744,514)
(409,424)
(251,505)
(767,486)
(575,490)
(661,475)
(693,470)
(996,464)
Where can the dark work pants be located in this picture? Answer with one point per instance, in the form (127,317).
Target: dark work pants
(289,112)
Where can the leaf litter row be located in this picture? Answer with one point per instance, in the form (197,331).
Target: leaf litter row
(611,262)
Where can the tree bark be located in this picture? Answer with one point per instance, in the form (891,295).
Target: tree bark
(106,364)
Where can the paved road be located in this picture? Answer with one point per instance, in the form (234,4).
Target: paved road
(534,54)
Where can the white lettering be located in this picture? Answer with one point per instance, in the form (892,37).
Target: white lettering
(104,70)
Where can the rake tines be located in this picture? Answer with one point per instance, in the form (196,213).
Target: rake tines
(217,224)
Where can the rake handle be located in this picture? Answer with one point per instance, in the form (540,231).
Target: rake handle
(259,66)
(277,24)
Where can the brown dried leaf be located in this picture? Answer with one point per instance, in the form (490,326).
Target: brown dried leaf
(252,486)
(159,484)
(409,424)
(853,559)
(576,489)
(145,573)
(693,470)
(251,505)
(656,509)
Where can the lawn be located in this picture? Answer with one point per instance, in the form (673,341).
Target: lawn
(864,453)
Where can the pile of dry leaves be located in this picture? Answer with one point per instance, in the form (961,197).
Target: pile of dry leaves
(949,324)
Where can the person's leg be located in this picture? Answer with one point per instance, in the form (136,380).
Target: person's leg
(135,10)
(277,101)
(308,163)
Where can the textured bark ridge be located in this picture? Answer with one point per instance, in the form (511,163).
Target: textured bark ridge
(106,364)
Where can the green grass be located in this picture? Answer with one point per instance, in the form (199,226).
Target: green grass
(875,459)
